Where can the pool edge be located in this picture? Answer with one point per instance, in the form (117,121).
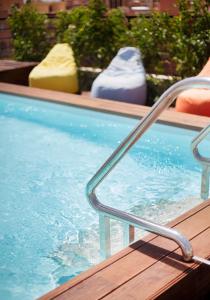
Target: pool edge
(169,117)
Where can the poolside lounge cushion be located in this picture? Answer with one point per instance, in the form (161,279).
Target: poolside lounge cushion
(123,80)
(57,71)
(196,101)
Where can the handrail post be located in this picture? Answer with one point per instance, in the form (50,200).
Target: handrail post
(128,234)
(204,161)
(105,239)
(205,183)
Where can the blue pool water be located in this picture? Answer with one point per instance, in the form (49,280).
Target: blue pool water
(48,152)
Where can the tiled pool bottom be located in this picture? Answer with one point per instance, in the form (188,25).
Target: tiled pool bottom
(48,152)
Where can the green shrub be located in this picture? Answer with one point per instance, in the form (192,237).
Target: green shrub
(157,85)
(191,46)
(183,40)
(29,33)
(94,33)
(153,36)
(120,33)
(76,17)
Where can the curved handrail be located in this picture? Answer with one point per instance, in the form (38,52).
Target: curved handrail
(164,101)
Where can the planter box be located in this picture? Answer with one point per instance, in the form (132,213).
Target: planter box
(15,72)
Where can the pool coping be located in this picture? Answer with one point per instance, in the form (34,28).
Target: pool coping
(168,117)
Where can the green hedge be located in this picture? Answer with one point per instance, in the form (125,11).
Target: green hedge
(95,34)
(183,40)
(191,43)
(29,33)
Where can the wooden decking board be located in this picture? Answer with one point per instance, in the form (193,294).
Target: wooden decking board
(199,288)
(15,72)
(135,264)
(6,65)
(201,220)
(179,284)
(164,273)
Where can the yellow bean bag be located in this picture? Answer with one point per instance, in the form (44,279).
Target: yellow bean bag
(57,71)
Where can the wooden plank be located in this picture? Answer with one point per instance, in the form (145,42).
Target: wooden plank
(132,110)
(165,273)
(6,65)
(195,286)
(130,264)
(15,72)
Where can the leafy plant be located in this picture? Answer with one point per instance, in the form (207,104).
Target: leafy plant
(157,85)
(121,36)
(191,47)
(183,40)
(29,33)
(94,33)
(153,36)
(76,17)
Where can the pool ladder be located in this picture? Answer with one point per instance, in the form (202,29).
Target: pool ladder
(129,220)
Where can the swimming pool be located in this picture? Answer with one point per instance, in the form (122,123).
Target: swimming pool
(48,152)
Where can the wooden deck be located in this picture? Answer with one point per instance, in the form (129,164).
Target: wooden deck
(15,72)
(151,268)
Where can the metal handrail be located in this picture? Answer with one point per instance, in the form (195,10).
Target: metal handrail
(204,161)
(196,141)
(165,100)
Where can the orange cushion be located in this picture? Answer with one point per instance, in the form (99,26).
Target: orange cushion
(196,101)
